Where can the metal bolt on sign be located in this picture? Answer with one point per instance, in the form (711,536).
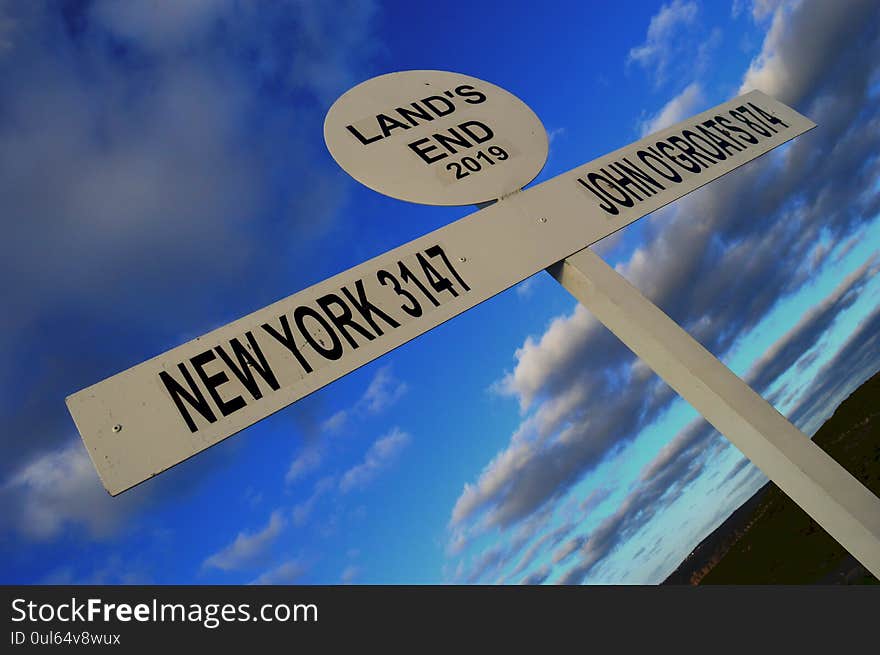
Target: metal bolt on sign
(442,138)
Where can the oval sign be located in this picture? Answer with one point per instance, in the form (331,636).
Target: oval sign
(436,138)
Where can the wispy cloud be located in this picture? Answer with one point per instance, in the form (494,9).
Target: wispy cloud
(383,391)
(289,572)
(248,549)
(685,104)
(350,574)
(143,130)
(380,455)
(659,48)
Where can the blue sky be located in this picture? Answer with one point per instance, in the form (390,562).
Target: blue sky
(162,172)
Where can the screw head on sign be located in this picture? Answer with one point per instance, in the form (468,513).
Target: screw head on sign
(117,428)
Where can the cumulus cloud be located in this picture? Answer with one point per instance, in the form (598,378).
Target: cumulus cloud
(793,59)
(592,395)
(380,455)
(717,262)
(135,177)
(248,549)
(59,489)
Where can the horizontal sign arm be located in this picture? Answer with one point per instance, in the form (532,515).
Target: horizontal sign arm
(152,416)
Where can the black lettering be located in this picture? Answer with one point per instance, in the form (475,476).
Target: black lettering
(344,319)
(437,251)
(470,94)
(447,108)
(438,282)
(742,116)
(682,159)
(386,124)
(247,364)
(211,383)
(286,339)
(646,156)
(717,139)
(418,148)
(487,132)
(449,142)
(770,118)
(361,137)
(366,309)
(724,125)
(417,111)
(627,179)
(334,352)
(621,183)
(193,396)
(605,201)
(639,175)
(709,150)
(415,309)
(689,150)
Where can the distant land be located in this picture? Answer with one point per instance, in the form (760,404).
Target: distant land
(770,540)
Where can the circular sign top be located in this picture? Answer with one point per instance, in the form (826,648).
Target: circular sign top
(436,138)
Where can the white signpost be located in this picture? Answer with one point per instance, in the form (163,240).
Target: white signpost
(435,137)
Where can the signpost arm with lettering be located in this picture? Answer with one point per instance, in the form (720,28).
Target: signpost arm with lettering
(838,502)
(444,138)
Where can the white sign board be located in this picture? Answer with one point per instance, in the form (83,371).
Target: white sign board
(436,138)
(148,418)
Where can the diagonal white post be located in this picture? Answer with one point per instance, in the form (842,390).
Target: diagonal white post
(825,490)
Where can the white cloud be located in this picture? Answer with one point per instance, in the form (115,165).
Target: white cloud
(383,451)
(680,107)
(717,267)
(289,572)
(336,422)
(656,53)
(526,288)
(303,511)
(249,548)
(308,460)
(60,489)
(796,48)
(383,391)
(159,24)
(350,574)
(763,8)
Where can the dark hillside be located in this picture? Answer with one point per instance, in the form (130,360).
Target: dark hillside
(770,540)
